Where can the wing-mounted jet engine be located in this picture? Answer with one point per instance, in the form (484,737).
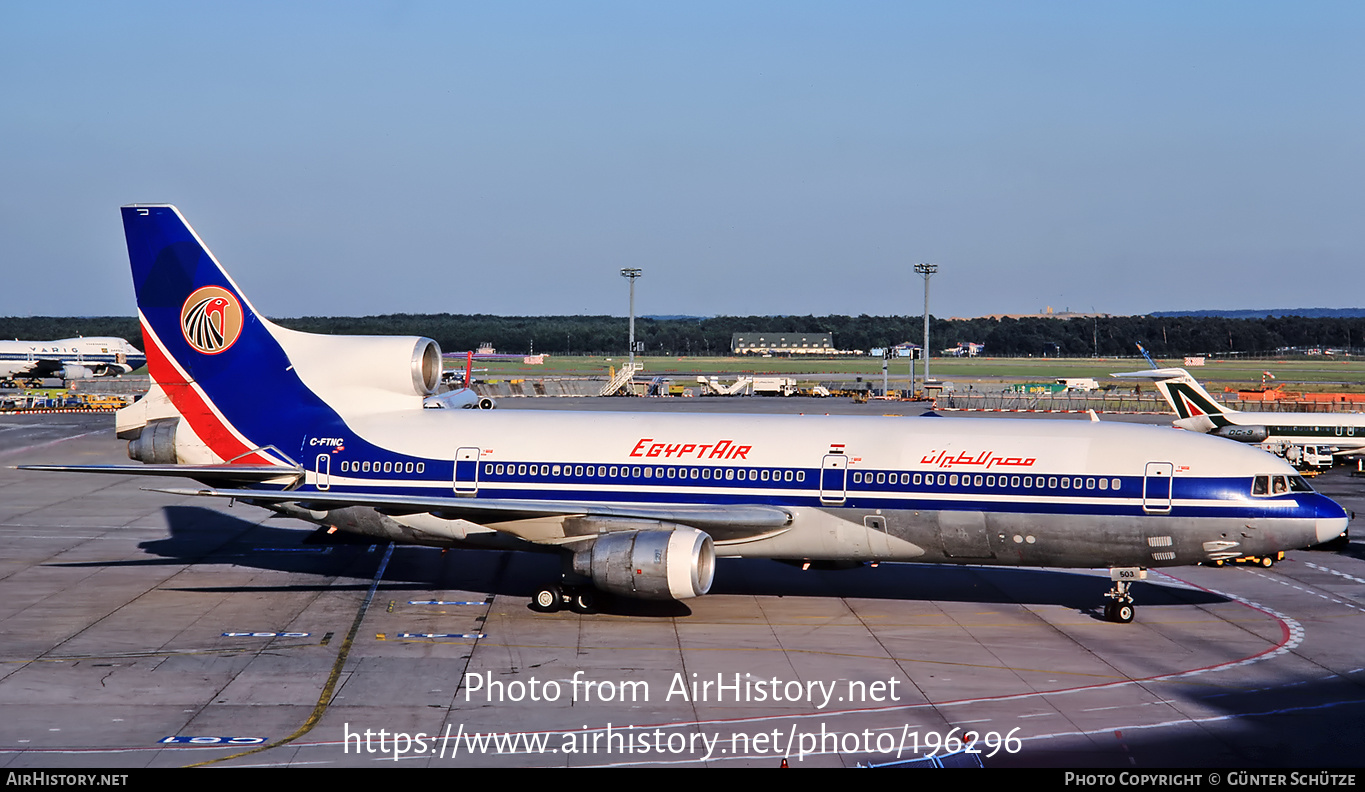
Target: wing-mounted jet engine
(668,562)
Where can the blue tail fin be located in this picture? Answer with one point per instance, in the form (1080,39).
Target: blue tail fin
(214,357)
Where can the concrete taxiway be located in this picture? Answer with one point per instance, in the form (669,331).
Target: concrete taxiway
(139,629)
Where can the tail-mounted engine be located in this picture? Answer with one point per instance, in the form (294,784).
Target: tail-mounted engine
(155,444)
(1245,434)
(341,367)
(658,565)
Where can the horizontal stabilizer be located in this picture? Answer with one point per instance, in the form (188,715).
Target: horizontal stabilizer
(206,473)
(1154,374)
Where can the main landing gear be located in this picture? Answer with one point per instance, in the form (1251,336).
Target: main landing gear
(1121,609)
(554,597)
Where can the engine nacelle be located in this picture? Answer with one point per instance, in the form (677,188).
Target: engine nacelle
(1244,434)
(658,565)
(155,444)
(340,368)
(72,371)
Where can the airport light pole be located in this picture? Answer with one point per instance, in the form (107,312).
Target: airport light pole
(927,270)
(630,274)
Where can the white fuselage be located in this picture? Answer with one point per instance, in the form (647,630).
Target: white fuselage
(1344,431)
(68,356)
(932,489)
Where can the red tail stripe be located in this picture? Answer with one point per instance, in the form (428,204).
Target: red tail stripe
(192,406)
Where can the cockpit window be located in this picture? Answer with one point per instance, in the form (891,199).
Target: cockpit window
(1279,485)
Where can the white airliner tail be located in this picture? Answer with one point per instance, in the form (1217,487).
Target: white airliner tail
(1186,396)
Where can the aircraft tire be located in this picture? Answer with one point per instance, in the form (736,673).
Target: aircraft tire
(584,601)
(547,599)
(1124,612)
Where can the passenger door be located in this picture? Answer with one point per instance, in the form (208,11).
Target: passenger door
(833,478)
(323,469)
(1156,487)
(467,471)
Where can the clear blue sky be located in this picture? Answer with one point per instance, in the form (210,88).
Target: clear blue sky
(753,158)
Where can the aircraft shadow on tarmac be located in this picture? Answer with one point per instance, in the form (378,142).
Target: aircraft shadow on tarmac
(205,536)
(1317,723)
(1297,723)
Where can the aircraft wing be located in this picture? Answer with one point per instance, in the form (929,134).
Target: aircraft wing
(41,367)
(727,522)
(723,522)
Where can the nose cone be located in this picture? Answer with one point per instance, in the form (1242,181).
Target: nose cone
(1332,519)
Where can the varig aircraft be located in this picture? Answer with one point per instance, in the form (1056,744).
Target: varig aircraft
(69,358)
(331,429)
(1197,411)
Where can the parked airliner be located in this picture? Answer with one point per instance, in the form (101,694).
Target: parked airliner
(1197,411)
(69,358)
(331,429)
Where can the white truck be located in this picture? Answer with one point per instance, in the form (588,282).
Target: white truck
(1079,383)
(774,386)
(1308,457)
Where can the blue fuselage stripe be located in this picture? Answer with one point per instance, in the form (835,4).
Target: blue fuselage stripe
(1188,496)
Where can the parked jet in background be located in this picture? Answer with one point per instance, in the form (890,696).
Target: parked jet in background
(1281,432)
(69,358)
(333,430)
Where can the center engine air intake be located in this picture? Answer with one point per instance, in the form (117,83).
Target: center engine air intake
(333,365)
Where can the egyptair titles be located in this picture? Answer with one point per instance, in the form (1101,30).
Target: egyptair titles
(983,459)
(719,449)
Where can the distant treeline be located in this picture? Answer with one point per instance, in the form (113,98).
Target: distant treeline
(1315,313)
(606,335)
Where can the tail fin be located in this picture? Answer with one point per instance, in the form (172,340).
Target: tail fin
(1185,395)
(208,351)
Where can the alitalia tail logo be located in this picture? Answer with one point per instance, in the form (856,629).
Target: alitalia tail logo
(211,319)
(1192,401)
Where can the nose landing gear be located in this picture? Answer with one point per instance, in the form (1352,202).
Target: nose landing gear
(1121,609)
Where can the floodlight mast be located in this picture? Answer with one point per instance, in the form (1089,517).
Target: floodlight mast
(630,274)
(927,270)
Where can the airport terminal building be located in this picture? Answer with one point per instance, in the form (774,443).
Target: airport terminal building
(783,344)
